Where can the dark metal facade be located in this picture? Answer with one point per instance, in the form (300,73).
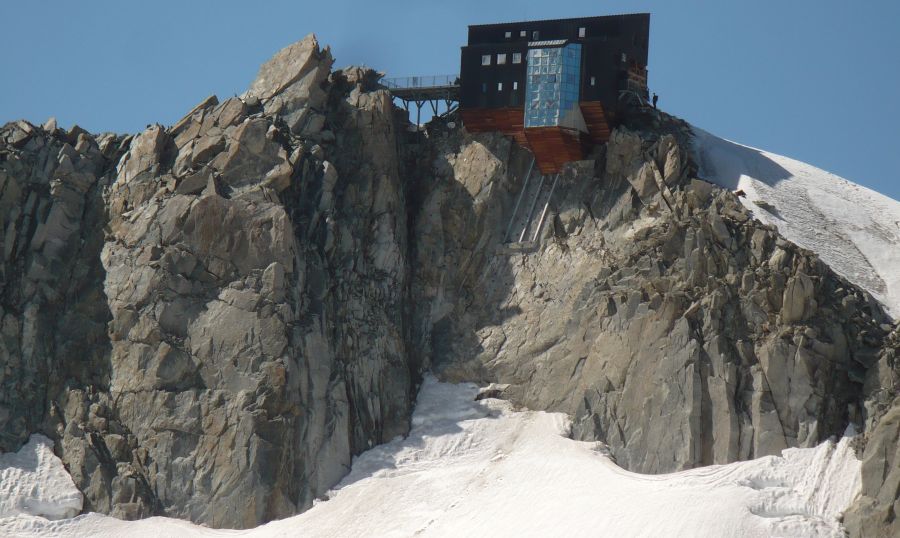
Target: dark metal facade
(611,46)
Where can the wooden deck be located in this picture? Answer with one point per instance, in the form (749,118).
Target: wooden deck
(554,146)
(551,146)
(509,121)
(597,121)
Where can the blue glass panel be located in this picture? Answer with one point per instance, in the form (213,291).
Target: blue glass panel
(552,84)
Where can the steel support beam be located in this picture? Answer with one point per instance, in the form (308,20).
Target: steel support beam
(544,212)
(512,218)
(531,210)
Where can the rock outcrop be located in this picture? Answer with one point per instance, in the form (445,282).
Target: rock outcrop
(655,311)
(684,333)
(212,324)
(877,510)
(210,319)
(53,311)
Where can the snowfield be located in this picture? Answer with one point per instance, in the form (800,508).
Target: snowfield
(481,468)
(34,482)
(855,230)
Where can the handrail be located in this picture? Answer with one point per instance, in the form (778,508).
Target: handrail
(641,100)
(429,81)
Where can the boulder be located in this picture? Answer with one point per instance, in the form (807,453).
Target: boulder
(288,66)
(145,155)
(250,154)
(644,182)
(290,85)
(50,125)
(797,302)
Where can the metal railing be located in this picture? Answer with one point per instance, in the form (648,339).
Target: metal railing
(625,95)
(430,81)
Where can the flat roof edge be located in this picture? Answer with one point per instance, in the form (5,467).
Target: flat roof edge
(595,17)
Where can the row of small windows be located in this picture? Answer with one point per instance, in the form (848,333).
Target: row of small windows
(535,79)
(484,86)
(501,58)
(535,35)
(524,33)
(517,58)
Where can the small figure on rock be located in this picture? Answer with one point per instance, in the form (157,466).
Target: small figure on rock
(655,99)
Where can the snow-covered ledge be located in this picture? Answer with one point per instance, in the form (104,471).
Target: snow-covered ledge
(34,482)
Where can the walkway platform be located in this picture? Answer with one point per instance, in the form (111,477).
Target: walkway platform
(424,88)
(433,89)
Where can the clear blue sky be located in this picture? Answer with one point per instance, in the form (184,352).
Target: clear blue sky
(815,80)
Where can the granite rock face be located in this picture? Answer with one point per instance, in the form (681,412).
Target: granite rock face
(655,310)
(877,510)
(53,311)
(211,324)
(210,319)
(875,513)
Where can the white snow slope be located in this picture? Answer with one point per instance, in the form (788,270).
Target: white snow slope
(34,482)
(855,230)
(484,469)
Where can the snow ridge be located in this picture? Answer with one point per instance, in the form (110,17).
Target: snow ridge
(855,230)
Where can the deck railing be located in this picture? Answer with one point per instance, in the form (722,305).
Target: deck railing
(430,81)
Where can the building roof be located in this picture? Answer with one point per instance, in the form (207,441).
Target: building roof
(561,20)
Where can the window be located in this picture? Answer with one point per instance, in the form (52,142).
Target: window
(486,59)
(581,31)
(508,35)
(593,81)
(624,58)
(484,87)
(516,85)
(535,35)
(517,57)
(499,86)
(523,33)
(501,59)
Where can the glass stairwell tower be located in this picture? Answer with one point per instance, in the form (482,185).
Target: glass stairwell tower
(552,85)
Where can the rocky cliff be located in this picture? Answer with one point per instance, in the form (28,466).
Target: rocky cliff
(655,310)
(211,318)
